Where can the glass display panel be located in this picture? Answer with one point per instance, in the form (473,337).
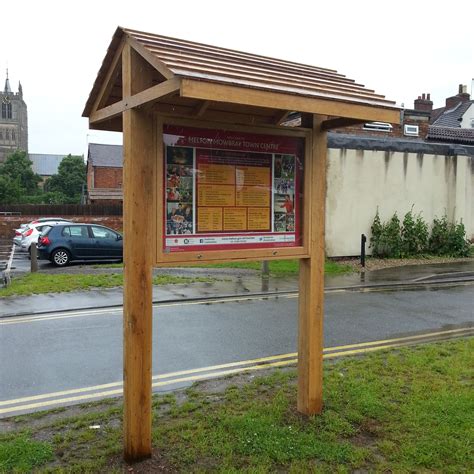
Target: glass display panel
(231,190)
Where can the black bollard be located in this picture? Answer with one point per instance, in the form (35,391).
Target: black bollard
(363,240)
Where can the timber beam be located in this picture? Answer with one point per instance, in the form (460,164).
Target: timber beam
(340,123)
(150,95)
(203,90)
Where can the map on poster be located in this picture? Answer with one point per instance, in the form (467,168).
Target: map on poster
(226,189)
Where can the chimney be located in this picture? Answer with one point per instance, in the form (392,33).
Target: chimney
(462,96)
(424,103)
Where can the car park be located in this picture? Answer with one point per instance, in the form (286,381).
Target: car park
(63,243)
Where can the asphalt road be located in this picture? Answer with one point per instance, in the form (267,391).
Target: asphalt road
(69,351)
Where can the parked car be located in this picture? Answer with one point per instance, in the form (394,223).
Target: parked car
(24,227)
(63,243)
(33,230)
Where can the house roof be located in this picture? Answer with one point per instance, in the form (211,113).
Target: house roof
(451,134)
(105,156)
(45,165)
(451,117)
(189,60)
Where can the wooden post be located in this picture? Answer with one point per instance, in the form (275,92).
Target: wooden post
(33,258)
(311,285)
(138,184)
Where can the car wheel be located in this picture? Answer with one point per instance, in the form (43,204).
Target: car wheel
(60,257)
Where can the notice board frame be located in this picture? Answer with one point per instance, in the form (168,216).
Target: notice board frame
(164,259)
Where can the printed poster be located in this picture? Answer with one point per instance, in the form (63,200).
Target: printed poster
(227,189)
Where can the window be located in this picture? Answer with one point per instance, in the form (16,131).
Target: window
(378,127)
(1,134)
(411,130)
(6,111)
(101,233)
(75,231)
(13,135)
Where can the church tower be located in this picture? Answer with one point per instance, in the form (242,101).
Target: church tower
(13,121)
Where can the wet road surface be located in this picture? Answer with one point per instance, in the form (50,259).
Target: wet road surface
(45,354)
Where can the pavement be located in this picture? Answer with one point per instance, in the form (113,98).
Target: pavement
(236,282)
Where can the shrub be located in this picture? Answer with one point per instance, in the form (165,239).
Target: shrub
(448,239)
(387,241)
(412,238)
(414,235)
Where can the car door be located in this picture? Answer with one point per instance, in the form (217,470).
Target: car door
(107,242)
(79,241)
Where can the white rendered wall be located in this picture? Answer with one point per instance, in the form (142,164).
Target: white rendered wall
(359,181)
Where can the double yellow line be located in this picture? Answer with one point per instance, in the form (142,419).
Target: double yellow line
(186,376)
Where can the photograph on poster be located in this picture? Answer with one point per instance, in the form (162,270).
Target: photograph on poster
(229,189)
(179,218)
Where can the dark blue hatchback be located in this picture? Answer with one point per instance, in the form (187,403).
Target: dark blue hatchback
(63,243)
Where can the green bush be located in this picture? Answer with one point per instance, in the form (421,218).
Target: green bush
(386,237)
(414,234)
(448,238)
(412,238)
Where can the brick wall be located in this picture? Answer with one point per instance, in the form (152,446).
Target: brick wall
(107,177)
(397,130)
(9,223)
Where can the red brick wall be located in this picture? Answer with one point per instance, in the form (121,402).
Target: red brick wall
(9,223)
(107,177)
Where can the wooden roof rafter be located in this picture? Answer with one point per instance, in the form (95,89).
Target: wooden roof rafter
(195,80)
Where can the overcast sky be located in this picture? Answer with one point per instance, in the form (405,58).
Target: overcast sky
(401,49)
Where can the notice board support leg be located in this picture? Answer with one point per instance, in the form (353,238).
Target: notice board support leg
(139,162)
(311,285)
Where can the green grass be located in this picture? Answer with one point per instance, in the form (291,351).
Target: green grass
(38,283)
(280,268)
(407,410)
(22,454)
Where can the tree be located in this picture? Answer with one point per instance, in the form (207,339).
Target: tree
(10,191)
(18,179)
(70,179)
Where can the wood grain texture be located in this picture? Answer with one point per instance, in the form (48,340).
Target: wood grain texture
(278,100)
(138,183)
(311,289)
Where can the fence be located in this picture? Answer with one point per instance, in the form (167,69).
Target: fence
(61,209)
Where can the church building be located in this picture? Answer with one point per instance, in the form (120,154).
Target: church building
(13,121)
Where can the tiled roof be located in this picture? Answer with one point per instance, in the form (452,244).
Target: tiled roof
(452,117)
(105,156)
(451,134)
(45,165)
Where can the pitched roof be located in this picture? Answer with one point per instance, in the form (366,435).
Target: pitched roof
(45,165)
(451,134)
(105,156)
(190,60)
(452,117)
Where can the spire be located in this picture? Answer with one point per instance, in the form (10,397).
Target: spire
(7,85)
(20,89)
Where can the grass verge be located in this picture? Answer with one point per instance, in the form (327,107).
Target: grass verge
(38,283)
(280,268)
(408,410)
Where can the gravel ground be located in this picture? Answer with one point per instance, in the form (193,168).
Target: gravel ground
(380,263)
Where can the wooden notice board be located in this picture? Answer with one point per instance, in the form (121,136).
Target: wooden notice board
(229,193)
